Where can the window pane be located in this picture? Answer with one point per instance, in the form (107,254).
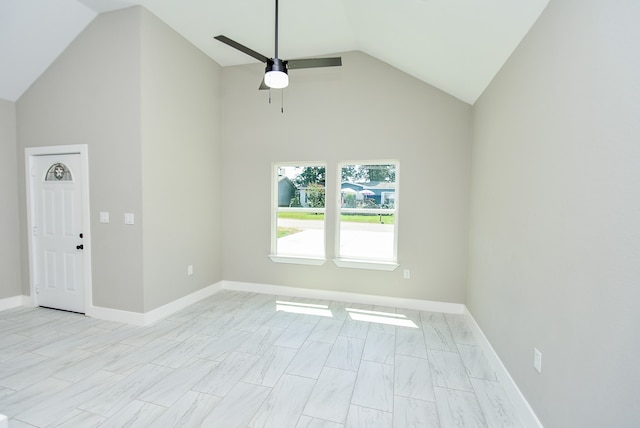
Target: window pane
(368,198)
(300,211)
(300,235)
(370,240)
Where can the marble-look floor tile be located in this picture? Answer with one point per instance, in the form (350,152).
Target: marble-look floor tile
(219,325)
(221,347)
(18,365)
(255,319)
(281,319)
(448,371)
(78,418)
(459,409)
(374,386)
(56,406)
(412,378)
(224,376)
(184,351)
(379,347)
(30,397)
(135,414)
(353,328)
(141,356)
(295,335)
(437,335)
(238,407)
(189,411)
(94,362)
(460,329)
(495,404)
(346,353)
(268,369)
(476,363)
(363,417)
(326,330)
(309,422)
(173,386)
(261,340)
(146,335)
(60,347)
(285,403)
(310,359)
(56,366)
(331,395)
(111,400)
(409,412)
(410,342)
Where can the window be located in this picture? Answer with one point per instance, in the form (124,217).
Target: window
(298,213)
(367,215)
(58,172)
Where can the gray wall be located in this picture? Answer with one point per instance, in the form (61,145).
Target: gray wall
(181,165)
(91,95)
(555,214)
(364,110)
(9,224)
(137,131)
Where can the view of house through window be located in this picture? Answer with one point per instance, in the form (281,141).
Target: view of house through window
(367,208)
(299,210)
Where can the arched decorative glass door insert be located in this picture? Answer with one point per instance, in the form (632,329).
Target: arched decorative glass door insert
(58,172)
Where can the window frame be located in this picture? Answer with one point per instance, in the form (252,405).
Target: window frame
(367,263)
(275,210)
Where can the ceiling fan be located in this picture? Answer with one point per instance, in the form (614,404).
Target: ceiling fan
(276,73)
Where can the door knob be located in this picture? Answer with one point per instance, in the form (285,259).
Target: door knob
(79,247)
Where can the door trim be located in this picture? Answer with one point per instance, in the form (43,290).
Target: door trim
(30,154)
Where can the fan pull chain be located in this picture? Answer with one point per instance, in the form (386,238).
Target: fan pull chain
(269,95)
(282,102)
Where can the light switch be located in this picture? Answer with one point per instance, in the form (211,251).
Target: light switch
(104,217)
(129,218)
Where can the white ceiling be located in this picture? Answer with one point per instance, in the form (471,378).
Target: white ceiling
(455,45)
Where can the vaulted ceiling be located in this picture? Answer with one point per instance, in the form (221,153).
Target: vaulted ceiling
(455,45)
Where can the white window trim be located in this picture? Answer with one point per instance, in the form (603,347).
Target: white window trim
(366,264)
(275,209)
(371,264)
(312,261)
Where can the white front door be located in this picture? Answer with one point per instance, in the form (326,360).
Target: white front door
(57,231)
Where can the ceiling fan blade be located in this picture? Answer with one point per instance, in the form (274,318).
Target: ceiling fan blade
(314,62)
(263,85)
(241,48)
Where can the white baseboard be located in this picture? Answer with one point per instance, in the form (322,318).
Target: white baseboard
(529,418)
(170,308)
(116,315)
(14,302)
(341,296)
(142,319)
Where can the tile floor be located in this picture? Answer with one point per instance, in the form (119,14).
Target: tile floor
(241,359)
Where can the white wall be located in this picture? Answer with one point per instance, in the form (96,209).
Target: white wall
(555,214)
(10,283)
(364,110)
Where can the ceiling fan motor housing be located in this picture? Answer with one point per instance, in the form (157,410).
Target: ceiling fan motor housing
(276,75)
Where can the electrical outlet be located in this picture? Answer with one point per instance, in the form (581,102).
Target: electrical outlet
(407,274)
(190,270)
(537,360)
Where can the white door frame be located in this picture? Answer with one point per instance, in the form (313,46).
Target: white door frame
(30,154)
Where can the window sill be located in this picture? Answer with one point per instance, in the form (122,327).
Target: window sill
(366,264)
(312,261)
